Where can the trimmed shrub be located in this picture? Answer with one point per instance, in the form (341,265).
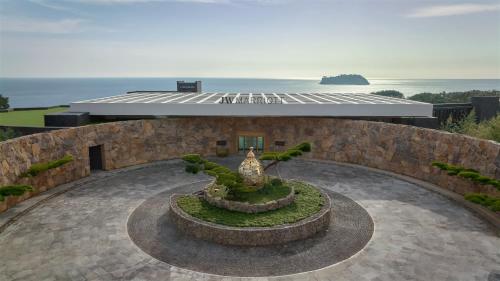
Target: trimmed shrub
(466,173)
(288,154)
(442,166)
(232,179)
(469,175)
(216,190)
(482,179)
(193,158)
(304,147)
(284,157)
(294,152)
(222,170)
(60,162)
(495,183)
(489,202)
(192,168)
(276,182)
(211,173)
(14,190)
(38,168)
(210,165)
(268,156)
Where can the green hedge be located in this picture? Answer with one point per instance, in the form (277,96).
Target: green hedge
(224,176)
(466,173)
(13,190)
(288,154)
(489,202)
(192,168)
(37,168)
(232,179)
(193,158)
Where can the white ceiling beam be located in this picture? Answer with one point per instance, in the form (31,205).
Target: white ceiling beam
(293,98)
(176,98)
(208,96)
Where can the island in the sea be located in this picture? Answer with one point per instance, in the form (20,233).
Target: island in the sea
(345,79)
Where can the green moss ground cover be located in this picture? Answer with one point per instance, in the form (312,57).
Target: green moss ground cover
(31,118)
(308,201)
(267,193)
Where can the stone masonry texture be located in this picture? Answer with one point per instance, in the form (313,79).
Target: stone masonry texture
(401,149)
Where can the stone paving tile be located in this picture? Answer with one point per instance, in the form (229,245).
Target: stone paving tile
(81,234)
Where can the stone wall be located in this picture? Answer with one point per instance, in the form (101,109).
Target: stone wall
(245,207)
(250,236)
(401,149)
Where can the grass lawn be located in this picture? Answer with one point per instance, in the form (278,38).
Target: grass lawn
(308,201)
(30,118)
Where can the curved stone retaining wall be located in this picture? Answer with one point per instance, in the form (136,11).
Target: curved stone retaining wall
(250,236)
(401,149)
(245,207)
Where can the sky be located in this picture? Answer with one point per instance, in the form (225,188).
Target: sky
(250,38)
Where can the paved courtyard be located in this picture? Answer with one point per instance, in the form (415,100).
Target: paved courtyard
(82,234)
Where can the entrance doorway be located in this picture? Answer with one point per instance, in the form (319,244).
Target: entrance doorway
(245,142)
(95,157)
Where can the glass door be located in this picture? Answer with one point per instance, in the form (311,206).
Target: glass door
(245,142)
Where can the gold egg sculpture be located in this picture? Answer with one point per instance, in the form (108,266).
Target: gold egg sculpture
(252,171)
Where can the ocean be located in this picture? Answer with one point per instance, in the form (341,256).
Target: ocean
(32,92)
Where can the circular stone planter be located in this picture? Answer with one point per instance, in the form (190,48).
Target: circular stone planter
(250,208)
(250,236)
(151,228)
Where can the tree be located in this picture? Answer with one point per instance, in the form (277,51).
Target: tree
(4,102)
(7,134)
(453,97)
(489,129)
(389,93)
(462,126)
(276,157)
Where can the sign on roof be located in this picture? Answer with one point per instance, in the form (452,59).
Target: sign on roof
(253,104)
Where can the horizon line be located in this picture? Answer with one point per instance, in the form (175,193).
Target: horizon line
(224,77)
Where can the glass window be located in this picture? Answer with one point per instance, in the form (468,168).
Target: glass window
(245,142)
(260,144)
(241,143)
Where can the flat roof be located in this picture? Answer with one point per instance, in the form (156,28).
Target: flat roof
(163,103)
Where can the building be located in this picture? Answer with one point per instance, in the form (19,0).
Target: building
(163,104)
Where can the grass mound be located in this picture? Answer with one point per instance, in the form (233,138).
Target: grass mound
(269,192)
(308,201)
